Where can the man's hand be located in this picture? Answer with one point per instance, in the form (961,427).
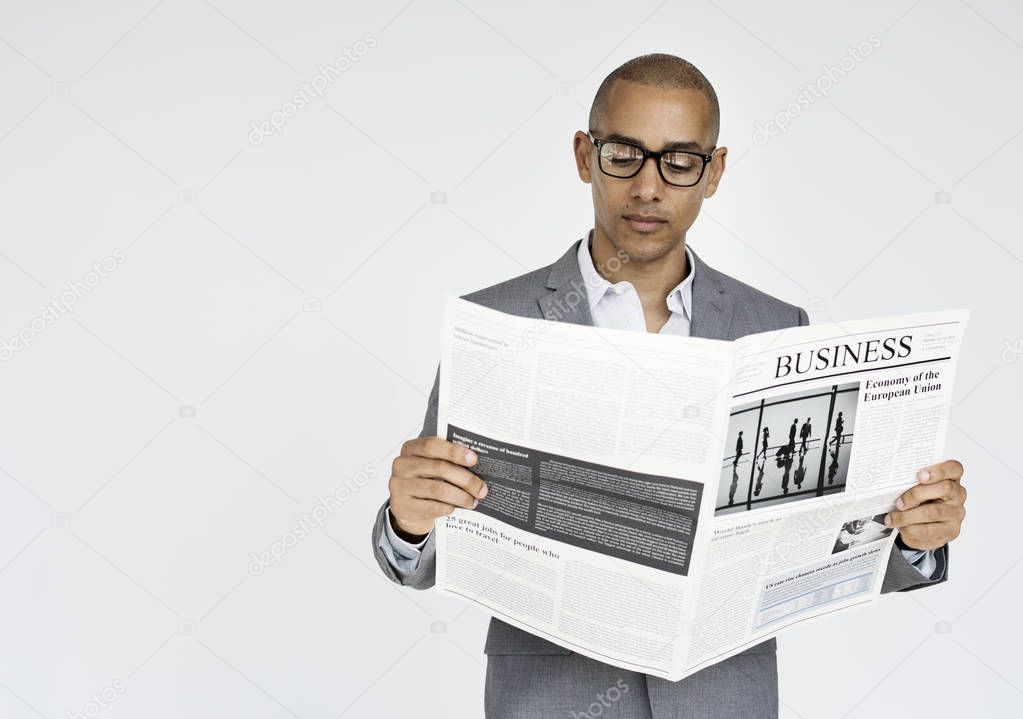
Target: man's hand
(931,514)
(428,480)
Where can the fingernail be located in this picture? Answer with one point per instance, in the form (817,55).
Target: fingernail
(483,491)
(887,520)
(924,475)
(475,504)
(899,503)
(470,457)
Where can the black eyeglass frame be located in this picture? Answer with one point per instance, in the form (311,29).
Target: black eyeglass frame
(648,154)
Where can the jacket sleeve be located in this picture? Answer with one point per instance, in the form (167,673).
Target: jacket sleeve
(424,574)
(901,576)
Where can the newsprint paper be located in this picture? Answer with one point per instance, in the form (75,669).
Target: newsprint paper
(661,503)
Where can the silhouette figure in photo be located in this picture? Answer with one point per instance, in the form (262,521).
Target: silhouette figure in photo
(763,445)
(839,426)
(800,474)
(760,480)
(735,484)
(792,437)
(738,451)
(833,467)
(804,436)
(786,475)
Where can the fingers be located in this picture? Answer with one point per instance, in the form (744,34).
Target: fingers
(431,509)
(949,469)
(931,535)
(422,468)
(437,479)
(931,513)
(946,490)
(439,459)
(926,513)
(429,479)
(428,488)
(437,448)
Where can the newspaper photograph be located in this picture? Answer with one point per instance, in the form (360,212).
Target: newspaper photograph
(660,503)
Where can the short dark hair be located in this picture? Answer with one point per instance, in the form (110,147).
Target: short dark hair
(658,70)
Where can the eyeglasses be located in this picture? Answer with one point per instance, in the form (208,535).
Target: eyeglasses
(677,167)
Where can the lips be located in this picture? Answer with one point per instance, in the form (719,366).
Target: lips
(645,223)
(645,218)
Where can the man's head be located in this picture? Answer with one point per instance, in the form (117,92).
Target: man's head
(656,101)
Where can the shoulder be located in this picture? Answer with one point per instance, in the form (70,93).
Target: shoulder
(517,295)
(755,310)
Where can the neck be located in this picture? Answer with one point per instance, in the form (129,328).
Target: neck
(653,279)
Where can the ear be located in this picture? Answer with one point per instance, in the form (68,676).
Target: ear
(581,149)
(715,169)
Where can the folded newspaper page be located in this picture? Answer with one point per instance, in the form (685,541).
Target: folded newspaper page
(661,503)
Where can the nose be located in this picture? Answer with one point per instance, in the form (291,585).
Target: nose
(646,184)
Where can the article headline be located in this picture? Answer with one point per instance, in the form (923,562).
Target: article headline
(822,358)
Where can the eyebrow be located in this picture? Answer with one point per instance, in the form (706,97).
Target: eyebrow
(673,145)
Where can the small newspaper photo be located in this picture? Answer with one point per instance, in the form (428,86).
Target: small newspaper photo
(660,503)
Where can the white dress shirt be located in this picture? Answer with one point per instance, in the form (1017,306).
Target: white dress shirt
(616,305)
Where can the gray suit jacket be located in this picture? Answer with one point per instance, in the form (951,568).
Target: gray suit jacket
(530,677)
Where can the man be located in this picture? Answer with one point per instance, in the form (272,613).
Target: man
(839,426)
(633,270)
(804,436)
(738,449)
(800,472)
(764,441)
(791,447)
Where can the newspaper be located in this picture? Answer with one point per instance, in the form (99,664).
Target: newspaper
(661,503)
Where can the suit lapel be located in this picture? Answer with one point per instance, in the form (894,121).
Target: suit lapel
(568,302)
(712,306)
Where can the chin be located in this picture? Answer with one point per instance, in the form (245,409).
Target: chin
(646,247)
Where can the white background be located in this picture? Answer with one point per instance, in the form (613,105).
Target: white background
(127,519)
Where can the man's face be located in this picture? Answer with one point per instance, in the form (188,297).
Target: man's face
(655,117)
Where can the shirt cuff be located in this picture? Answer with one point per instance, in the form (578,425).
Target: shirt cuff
(403,556)
(923,559)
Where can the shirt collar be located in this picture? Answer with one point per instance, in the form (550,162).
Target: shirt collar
(679,300)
